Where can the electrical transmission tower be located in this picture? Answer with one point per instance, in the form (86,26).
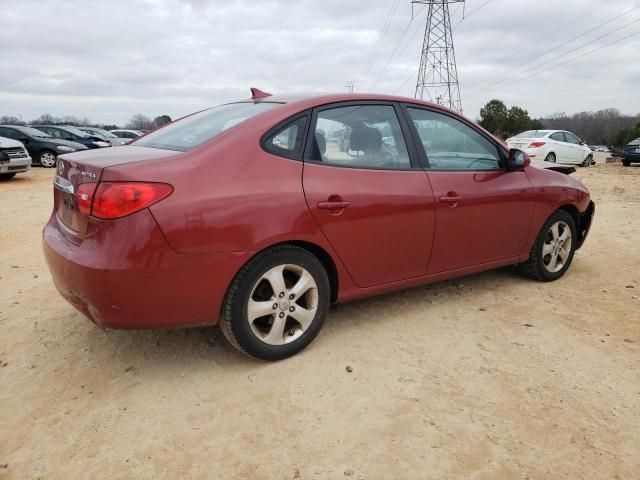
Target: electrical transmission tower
(438,75)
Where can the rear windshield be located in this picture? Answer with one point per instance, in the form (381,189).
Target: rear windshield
(196,129)
(532,134)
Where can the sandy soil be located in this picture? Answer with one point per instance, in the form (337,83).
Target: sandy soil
(488,377)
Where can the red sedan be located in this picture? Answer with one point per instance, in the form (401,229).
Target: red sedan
(259,214)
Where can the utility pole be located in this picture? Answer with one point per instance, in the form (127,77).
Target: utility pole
(350,85)
(438,74)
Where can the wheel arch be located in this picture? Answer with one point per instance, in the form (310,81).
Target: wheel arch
(314,249)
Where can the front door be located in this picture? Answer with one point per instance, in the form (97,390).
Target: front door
(483,212)
(367,194)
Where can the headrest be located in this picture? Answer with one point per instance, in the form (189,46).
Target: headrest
(321,142)
(365,139)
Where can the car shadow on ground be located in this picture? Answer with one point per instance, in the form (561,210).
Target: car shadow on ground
(189,349)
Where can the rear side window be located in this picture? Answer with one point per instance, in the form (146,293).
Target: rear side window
(188,133)
(287,142)
(558,137)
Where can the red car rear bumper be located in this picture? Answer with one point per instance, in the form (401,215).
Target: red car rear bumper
(125,275)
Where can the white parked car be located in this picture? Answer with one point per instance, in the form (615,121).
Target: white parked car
(555,146)
(124,133)
(14,158)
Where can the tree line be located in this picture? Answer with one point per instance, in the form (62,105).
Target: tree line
(604,127)
(136,122)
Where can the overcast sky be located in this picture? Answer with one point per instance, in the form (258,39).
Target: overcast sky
(108,60)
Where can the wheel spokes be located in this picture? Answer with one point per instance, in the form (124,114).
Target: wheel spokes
(275,277)
(304,316)
(547,249)
(304,283)
(258,309)
(276,333)
(553,262)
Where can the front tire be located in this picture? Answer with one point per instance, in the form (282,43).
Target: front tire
(276,304)
(47,159)
(553,250)
(551,157)
(587,161)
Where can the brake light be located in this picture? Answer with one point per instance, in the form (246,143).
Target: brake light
(536,144)
(84,196)
(119,199)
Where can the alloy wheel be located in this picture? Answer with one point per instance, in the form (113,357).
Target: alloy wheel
(283,304)
(47,159)
(557,247)
(550,158)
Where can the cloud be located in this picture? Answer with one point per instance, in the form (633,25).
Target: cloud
(110,60)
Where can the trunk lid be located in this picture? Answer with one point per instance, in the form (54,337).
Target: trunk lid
(87,166)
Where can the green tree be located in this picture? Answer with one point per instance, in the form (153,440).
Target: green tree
(493,116)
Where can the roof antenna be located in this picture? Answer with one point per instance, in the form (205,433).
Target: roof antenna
(257,93)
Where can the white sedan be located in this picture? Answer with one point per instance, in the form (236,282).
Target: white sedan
(553,146)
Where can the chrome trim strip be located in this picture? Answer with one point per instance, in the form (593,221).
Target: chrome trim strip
(62,184)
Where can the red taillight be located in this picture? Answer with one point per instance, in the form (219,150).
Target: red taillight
(536,144)
(119,199)
(84,196)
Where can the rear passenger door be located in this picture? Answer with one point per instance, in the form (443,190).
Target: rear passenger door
(483,211)
(367,193)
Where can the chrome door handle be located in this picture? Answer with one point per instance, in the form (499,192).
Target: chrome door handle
(333,205)
(450,199)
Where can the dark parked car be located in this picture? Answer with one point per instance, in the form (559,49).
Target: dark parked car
(74,135)
(114,140)
(249,215)
(631,152)
(42,148)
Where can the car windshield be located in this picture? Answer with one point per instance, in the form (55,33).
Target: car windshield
(635,142)
(76,131)
(531,134)
(32,132)
(196,129)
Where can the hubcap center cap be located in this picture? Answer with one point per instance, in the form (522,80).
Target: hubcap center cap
(284,304)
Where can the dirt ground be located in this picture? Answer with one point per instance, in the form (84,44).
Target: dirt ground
(488,377)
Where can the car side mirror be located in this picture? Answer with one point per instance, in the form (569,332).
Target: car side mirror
(517,160)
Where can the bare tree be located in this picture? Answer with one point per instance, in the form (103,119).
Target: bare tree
(140,122)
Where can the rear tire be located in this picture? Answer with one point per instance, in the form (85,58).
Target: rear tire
(551,157)
(276,304)
(553,249)
(47,159)
(7,176)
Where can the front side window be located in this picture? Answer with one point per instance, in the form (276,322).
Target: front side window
(194,130)
(571,138)
(451,144)
(361,136)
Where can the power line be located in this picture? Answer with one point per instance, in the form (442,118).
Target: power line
(469,14)
(507,81)
(568,61)
(562,27)
(385,28)
(404,33)
(511,68)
